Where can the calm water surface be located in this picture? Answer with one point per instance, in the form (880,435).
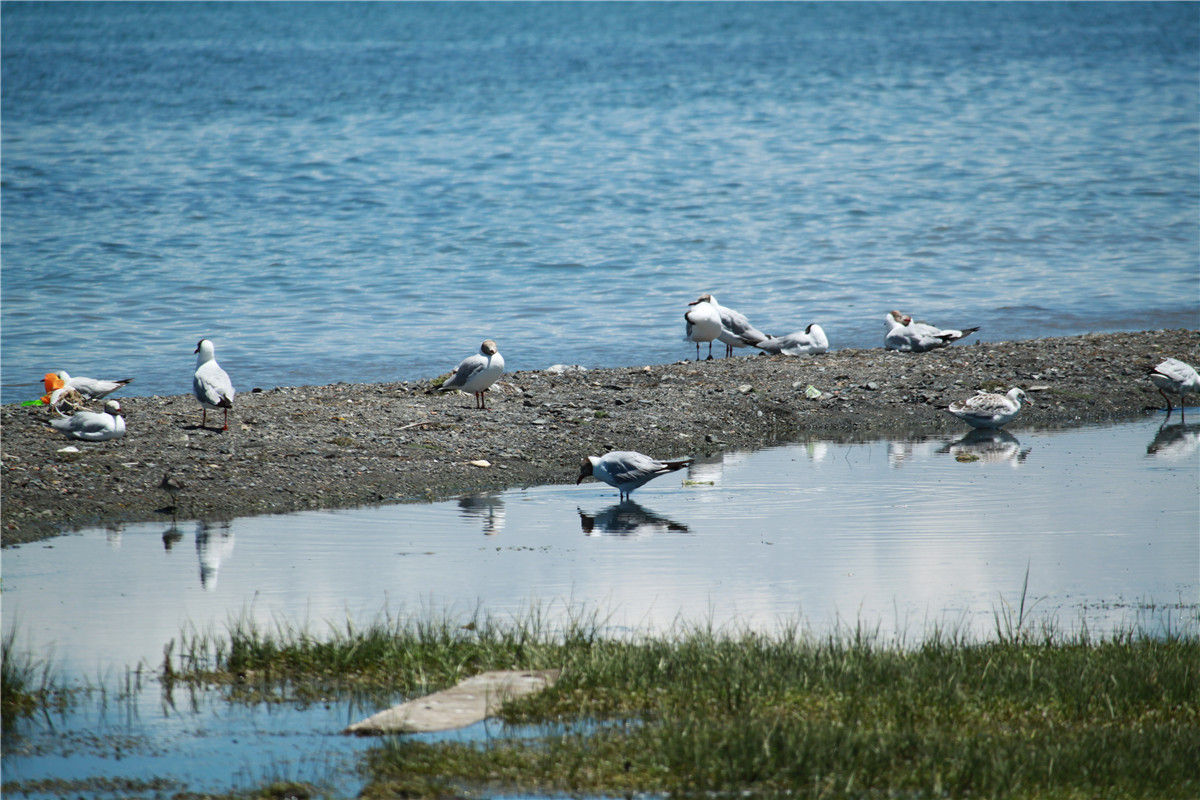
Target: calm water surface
(364,192)
(900,536)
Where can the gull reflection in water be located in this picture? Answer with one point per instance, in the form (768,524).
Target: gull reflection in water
(212,547)
(902,452)
(1174,442)
(627,518)
(489,508)
(989,446)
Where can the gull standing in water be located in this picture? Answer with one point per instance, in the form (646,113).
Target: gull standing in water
(703,322)
(987,410)
(907,336)
(626,470)
(736,330)
(810,341)
(92,427)
(475,374)
(1177,377)
(91,388)
(211,384)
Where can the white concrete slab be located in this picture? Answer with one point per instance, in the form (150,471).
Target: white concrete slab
(466,703)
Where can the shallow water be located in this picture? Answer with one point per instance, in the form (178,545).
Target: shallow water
(364,193)
(901,536)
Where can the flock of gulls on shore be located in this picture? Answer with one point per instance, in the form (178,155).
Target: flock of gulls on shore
(625,470)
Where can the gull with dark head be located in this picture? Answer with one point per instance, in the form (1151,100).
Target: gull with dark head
(988,410)
(1176,377)
(92,427)
(211,384)
(476,374)
(810,341)
(909,336)
(91,388)
(703,322)
(626,470)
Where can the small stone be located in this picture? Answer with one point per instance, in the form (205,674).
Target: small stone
(745,388)
(871,386)
(482,463)
(812,392)
(69,449)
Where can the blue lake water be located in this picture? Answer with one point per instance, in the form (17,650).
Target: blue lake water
(364,192)
(900,536)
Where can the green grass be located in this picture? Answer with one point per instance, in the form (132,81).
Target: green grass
(723,713)
(27,684)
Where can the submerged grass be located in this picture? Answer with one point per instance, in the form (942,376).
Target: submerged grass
(27,684)
(710,712)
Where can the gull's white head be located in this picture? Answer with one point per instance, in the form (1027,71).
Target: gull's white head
(205,350)
(488,348)
(1017,395)
(112,407)
(63,376)
(704,298)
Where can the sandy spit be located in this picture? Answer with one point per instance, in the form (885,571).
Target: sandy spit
(308,447)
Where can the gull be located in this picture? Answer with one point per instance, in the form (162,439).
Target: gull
(1173,375)
(93,427)
(736,330)
(478,372)
(987,410)
(91,388)
(703,322)
(907,336)
(626,470)
(211,384)
(810,341)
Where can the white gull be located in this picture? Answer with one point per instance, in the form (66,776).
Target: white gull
(211,384)
(703,322)
(91,426)
(626,470)
(476,374)
(810,341)
(1176,377)
(91,388)
(987,410)
(907,336)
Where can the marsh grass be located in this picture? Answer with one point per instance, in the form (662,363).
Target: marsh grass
(27,684)
(719,712)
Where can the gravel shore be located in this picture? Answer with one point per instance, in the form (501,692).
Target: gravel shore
(307,447)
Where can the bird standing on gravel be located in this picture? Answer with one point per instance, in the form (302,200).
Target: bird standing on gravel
(626,470)
(810,341)
(476,374)
(987,410)
(736,330)
(1177,377)
(703,322)
(92,427)
(91,388)
(211,384)
(907,336)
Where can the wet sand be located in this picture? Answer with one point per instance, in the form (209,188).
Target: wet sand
(297,448)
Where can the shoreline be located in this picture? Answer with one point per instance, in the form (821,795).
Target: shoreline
(344,445)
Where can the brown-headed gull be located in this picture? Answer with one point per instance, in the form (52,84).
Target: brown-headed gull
(91,388)
(907,336)
(810,341)
(1176,377)
(703,322)
(987,410)
(626,470)
(476,374)
(736,330)
(92,427)
(211,384)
